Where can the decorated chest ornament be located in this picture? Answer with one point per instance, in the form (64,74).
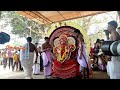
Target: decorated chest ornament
(63,46)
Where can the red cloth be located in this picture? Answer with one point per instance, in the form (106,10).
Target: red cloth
(74,54)
(91,50)
(67,69)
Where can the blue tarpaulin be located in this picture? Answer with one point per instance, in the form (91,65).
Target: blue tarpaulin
(4,37)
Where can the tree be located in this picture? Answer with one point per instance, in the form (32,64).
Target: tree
(98,22)
(22,26)
(4,21)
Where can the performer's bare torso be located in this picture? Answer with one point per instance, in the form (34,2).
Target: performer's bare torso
(32,47)
(46,46)
(114,36)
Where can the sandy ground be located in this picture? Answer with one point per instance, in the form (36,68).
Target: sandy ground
(9,74)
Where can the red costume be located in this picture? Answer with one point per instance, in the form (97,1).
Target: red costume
(64,43)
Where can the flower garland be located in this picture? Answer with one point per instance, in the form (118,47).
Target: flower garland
(60,56)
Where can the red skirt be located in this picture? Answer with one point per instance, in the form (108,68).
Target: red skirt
(67,69)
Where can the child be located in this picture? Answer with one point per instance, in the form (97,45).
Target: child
(16,60)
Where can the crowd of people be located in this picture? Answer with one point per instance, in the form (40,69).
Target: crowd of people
(11,59)
(33,54)
(101,61)
(98,58)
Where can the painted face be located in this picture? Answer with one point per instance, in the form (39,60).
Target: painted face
(63,40)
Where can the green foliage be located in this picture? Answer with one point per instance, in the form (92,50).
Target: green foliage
(21,25)
(96,21)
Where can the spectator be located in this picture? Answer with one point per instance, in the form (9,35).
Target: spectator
(113,66)
(1,58)
(15,60)
(10,58)
(47,58)
(26,57)
(4,55)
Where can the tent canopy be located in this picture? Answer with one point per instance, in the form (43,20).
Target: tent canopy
(49,17)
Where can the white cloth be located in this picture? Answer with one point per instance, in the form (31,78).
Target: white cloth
(24,54)
(1,59)
(101,65)
(84,59)
(113,67)
(108,67)
(45,59)
(99,61)
(47,63)
(27,66)
(38,59)
(100,52)
(36,68)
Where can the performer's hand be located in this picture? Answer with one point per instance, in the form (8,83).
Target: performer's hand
(108,58)
(80,56)
(35,61)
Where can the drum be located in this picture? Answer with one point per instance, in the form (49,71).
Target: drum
(111,48)
(106,47)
